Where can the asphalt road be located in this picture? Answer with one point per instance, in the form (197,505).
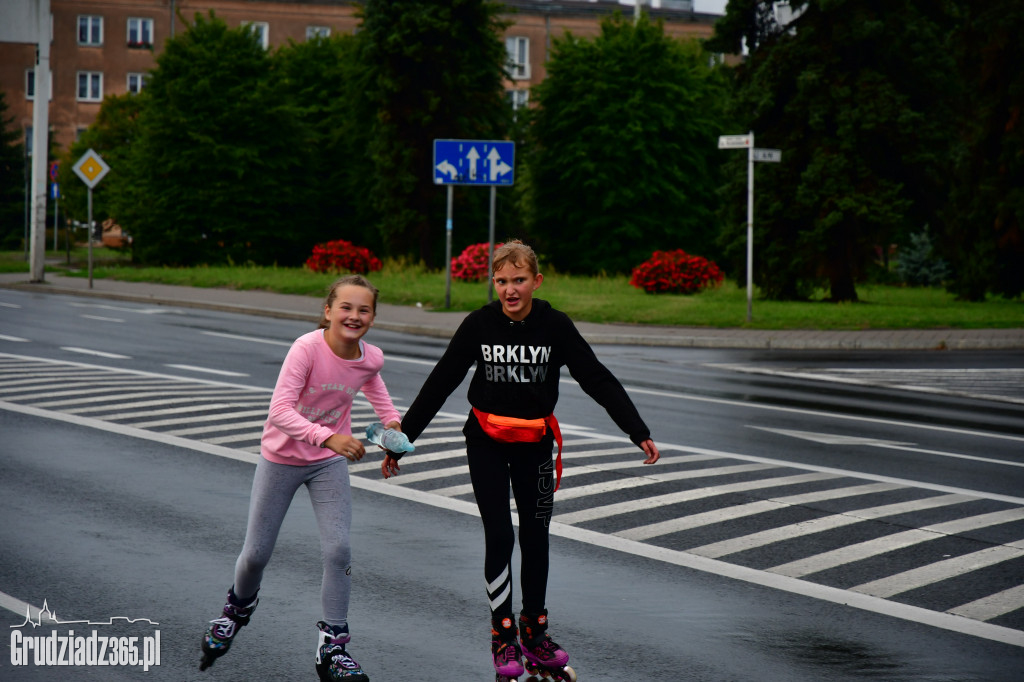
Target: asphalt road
(790,497)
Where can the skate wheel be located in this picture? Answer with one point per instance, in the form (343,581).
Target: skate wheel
(569,674)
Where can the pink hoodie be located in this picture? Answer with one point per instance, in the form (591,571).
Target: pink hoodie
(313,399)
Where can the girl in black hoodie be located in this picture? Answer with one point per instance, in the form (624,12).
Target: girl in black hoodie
(519,345)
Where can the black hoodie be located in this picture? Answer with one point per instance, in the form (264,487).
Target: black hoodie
(517,370)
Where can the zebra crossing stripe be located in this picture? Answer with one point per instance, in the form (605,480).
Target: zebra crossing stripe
(941,570)
(831,522)
(888,543)
(992,606)
(656,501)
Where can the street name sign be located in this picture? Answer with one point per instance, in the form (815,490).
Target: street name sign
(734,141)
(474,162)
(769,155)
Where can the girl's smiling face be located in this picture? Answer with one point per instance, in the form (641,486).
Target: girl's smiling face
(515,285)
(350,316)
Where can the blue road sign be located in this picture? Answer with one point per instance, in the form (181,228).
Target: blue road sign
(474,162)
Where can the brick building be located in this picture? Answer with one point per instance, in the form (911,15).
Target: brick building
(106,47)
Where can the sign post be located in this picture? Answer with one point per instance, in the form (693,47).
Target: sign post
(490,163)
(55,195)
(91,168)
(770,155)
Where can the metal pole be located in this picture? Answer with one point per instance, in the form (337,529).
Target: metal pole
(56,213)
(490,250)
(750,229)
(448,253)
(28,193)
(89,233)
(40,143)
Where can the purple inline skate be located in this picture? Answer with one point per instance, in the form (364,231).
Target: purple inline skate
(544,658)
(333,662)
(505,649)
(222,631)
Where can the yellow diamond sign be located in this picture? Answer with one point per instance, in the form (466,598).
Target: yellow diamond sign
(91,168)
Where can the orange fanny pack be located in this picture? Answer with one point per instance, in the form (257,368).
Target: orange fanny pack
(515,430)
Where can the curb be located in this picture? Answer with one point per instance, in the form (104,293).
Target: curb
(598,334)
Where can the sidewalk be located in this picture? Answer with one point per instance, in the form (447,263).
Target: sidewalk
(422,322)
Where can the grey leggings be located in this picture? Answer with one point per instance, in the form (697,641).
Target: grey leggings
(273,487)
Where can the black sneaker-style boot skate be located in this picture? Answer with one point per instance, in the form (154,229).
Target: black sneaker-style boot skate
(222,631)
(543,656)
(333,662)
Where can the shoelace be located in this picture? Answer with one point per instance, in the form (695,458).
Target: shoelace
(546,645)
(509,652)
(339,657)
(223,627)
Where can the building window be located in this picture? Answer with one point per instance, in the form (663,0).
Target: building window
(30,84)
(518,57)
(90,30)
(140,32)
(518,98)
(262,31)
(90,86)
(136,81)
(317,32)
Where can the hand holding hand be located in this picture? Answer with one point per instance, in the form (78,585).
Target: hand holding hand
(389,467)
(651,450)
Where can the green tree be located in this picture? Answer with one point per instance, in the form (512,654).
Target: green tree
(857,95)
(321,79)
(212,174)
(12,181)
(432,70)
(623,158)
(985,229)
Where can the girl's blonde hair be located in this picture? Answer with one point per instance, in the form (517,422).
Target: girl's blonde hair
(518,254)
(332,293)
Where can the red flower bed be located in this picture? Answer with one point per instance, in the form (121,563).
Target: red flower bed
(675,272)
(341,255)
(472,263)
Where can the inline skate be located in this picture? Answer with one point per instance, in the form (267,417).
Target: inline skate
(222,631)
(505,649)
(545,660)
(333,662)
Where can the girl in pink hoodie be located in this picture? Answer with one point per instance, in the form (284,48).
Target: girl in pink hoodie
(307,440)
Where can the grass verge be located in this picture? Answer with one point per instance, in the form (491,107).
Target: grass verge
(592,299)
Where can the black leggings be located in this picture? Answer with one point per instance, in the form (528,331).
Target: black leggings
(529,468)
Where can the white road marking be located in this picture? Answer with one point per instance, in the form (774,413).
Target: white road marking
(826,415)
(102,319)
(657,501)
(836,439)
(208,370)
(796,586)
(992,606)
(942,570)
(762,506)
(889,543)
(824,523)
(98,353)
